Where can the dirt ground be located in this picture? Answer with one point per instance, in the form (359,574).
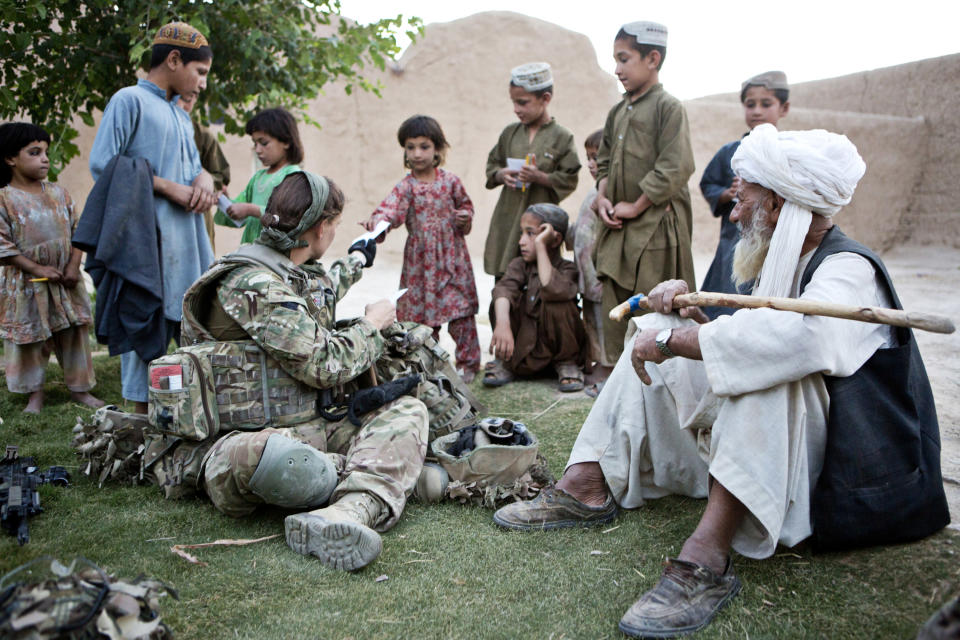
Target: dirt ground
(924,277)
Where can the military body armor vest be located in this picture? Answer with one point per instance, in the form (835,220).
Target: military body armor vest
(208,387)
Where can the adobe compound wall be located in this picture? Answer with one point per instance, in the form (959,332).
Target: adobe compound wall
(901,119)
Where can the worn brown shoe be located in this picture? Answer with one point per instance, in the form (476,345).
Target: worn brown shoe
(686,599)
(553,509)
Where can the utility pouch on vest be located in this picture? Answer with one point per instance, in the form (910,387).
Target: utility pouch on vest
(181,394)
(200,387)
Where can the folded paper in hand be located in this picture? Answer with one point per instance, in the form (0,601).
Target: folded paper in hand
(382,226)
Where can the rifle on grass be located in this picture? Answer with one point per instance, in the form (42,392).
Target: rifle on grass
(19,498)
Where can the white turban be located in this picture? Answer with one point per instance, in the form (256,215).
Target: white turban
(814,171)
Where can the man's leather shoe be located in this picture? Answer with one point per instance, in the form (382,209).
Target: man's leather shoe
(686,599)
(554,509)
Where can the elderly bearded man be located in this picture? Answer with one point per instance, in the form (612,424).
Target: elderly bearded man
(793,426)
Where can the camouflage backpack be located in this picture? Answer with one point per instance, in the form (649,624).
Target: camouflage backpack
(110,445)
(45,599)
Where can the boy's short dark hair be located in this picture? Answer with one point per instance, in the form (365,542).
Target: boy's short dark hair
(644,49)
(594,139)
(538,93)
(783,95)
(291,199)
(14,136)
(159,53)
(280,124)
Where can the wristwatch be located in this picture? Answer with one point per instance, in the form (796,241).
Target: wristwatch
(662,339)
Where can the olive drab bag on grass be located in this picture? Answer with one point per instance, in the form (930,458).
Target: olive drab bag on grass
(411,349)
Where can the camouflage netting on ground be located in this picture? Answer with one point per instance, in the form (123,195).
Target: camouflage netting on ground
(46,599)
(110,445)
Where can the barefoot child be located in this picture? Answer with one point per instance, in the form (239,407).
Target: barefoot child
(44,305)
(583,235)
(536,321)
(644,163)
(436,264)
(551,164)
(765,98)
(276,141)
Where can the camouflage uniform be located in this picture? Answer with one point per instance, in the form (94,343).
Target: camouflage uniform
(292,319)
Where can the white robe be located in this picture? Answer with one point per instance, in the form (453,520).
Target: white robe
(752,414)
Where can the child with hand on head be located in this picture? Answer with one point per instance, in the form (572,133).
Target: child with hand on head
(547,157)
(276,141)
(44,305)
(644,162)
(536,321)
(437,270)
(765,99)
(583,238)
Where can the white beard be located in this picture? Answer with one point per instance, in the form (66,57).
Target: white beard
(751,250)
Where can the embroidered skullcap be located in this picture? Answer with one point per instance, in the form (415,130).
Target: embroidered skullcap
(284,241)
(551,214)
(771,80)
(814,172)
(532,76)
(180,34)
(647,32)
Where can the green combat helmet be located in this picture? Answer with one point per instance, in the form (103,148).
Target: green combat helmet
(492,462)
(45,599)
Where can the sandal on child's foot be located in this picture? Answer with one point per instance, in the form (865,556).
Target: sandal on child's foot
(570,376)
(594,390)
(496,374)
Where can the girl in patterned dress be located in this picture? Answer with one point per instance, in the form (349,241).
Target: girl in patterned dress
(44,305)
(436,264)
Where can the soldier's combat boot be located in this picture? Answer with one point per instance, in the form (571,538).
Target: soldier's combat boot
(339,535)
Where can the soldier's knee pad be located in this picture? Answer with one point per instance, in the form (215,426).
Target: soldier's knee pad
(293,474)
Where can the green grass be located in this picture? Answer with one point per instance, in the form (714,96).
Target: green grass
(450,572)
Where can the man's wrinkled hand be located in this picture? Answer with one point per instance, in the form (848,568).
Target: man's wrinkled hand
(660,298)
(645,350)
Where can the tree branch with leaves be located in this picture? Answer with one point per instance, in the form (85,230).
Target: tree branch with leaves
(64,59)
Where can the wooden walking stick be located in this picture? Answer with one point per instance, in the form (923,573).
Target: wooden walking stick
(877,315)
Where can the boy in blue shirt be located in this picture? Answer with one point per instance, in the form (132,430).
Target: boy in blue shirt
(144,121)
(765,98)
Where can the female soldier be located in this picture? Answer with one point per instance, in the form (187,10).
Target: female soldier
(268,292)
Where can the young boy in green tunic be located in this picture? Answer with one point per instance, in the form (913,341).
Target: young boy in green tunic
(547,159)
(643,165)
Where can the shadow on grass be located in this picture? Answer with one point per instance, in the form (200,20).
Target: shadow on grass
(450,573)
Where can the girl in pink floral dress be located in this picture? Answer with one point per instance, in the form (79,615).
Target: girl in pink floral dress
(436,264)
(43,303)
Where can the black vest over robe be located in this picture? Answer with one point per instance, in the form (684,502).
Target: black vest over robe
(881,479)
